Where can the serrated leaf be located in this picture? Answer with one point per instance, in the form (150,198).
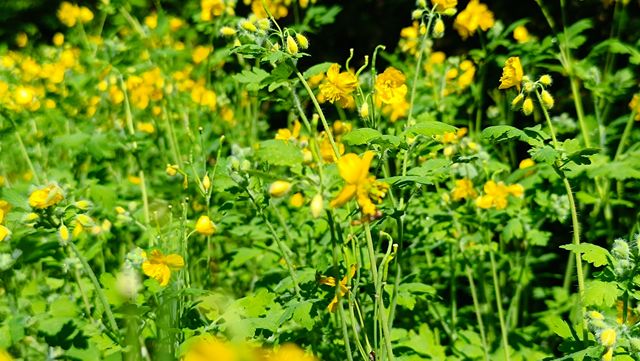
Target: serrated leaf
(302,315)
(499,133)
(544,154)
(279,152)
(591,253)
(583,156)
(599,293)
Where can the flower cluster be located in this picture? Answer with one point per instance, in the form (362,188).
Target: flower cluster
(475,16)
(391,93)
(496,195)
(513,76)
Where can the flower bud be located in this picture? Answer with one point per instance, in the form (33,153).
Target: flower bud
(128,283)
(422,3)
(292,46)
(547,99)
(302,40)
(526,163)
(297,200)
(620,249)
(595,315)
(317,205)
(416,14)
(205,226)
(517,100)
(83,204)
(364,110)
(248,26)
(608,356)
(227,31)
(608,337)
(545,80)
(172,170)
(438,29)
(279,188)
(450,12)
(527,106)
(58,39)
(63,232)
(206,183)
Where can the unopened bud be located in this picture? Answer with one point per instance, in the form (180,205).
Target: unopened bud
(302,40)
(172,169)
(364,110)
(416,14)
(545,80)
(206,183)
(527,106)
(317,205)
(517,100)
(438,29)
(63,232)
(292,46)
(547,99)
(279,188)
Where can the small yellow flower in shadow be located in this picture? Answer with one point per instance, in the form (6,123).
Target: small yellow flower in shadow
(289,134)
(338,86)
(511,74)
(496,195)
(463,190)
(331,281)
(359,184)
(159,267)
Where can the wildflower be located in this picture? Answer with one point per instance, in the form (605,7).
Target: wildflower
(211,9)
(511,74)
(526,163)
(302,40)
(438,29)
(297,200)
(340,127)
(286,134)
(151,21)
(46,197)
(146,127)
(474,16)
(463,190)
(359,184)
(521,34)
(290,352)
(469,71)
(159,267)
(200,53)
(608,356)
(547,99)
(4,233)
(331,281)
(206,347)
(68,14)
(338,86)
(22,39)
(86,15)
(205,226)
(277,8)
(4,356)
(409,37)
(495,195)
(279,188)
(390,87)
(23,96)
(634,105)
(442,5)
(292,46)
(608,337)
(317,205)
(527,106)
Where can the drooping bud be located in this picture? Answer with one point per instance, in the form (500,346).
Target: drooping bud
(279,188)
(302,40)
(547,99)
(292,46)
(527,106)
(438,29)
(545,80)
(517,100)
(317,205)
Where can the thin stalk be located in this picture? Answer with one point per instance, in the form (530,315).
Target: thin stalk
(496,287)
(325,124)
(416,74)
(626,133)
(476,306)
(101,296)
(574,221)
(384,322)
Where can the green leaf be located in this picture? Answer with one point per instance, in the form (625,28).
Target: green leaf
(591,253)
(302,315)
(583,156)
(599,293)
(279,152)
(499,133)
(430,128)
(544,154)
(316,69)
(361,136)
(252,79)
(559,326)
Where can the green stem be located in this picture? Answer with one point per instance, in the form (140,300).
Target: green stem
(476,306)
(24,152)
(416,74)
(325,124)
(496,287)
(101,296)
(626,133)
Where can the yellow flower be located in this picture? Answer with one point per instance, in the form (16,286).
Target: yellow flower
(290,352)
(279,188)
(85,15)
(608,356)
(227,31)
(521,34)
(172,169)
(338,86)
(297,200)
(463,190)
(68,14)
(206,348)
(23,96)
(512,74)
(4,356)
(390,87)
(46,197)
(442,5)
(211,8)
(474,16)
(205,226)
(634,105)
(277,8)
(526,163)
(495,195)
(4,233)
(146,127)
(151,21)
(200,53)
(359,184)
(5,207)
(608,337)
(469,71)
(331,281)
(159,267)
